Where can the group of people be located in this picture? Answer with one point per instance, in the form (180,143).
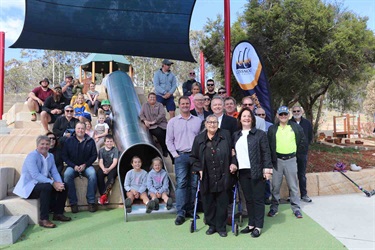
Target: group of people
(222,144)
(212,142)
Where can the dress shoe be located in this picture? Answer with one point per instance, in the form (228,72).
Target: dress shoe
(223,234)
(191,215)
(74,209)
(46,224)
(211,231)
(61,217)
(255,233)
(179,220)
(247,230)
(93,207)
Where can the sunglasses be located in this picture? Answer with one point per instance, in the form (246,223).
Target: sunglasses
(261,114)
(296,111)
(210,85)
(52,138)
(69,111)
(222,92)
(207,99)
(191,74)
(283,114)
(247,104)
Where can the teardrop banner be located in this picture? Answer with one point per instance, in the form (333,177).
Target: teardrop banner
(250,76)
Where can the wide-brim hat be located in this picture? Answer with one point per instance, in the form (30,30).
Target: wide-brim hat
(44,80)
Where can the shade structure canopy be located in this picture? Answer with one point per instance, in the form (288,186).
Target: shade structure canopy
(102,63)
(149,28)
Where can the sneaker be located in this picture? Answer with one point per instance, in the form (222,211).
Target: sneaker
(93,207)
(156,204)
(74,208)
(169,203)
(272,213)
(150,206)
(33,117)
(298,214)
(305,198)
(128,205)
(103,199)
(354,167)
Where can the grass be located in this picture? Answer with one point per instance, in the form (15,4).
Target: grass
(324,148)
(106,229)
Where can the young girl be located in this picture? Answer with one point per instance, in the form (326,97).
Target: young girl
(101,130)
(195,89)
(81,109)
(92,99)
(89,131)
(158,184)
(135,186)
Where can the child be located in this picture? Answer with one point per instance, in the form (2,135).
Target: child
(108,157)
(76,90)
(195,89)
(135,186)
(158,184)
(81,109)
(106,110)
(101,130)
(92,99)
(89,131)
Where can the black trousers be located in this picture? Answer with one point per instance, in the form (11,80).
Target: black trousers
(44,192)
(160,134)
(215,210)
(253,190)
(111,177)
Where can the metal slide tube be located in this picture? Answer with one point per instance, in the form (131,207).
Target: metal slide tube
(131,136)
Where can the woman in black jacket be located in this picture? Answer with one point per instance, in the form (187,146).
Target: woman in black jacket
(253,159)
(211,156)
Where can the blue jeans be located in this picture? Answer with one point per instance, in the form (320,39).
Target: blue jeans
(186,185)
(90,174)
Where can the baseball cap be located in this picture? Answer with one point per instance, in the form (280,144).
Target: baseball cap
(58,86)
(283,109)
(166,62)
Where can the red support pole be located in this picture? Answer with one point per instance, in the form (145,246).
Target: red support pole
(202,70)
(227,50)
(2,65)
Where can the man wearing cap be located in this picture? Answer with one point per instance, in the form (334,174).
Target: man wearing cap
(65,124)
(286,141)
(186,86)
(165,85)
(222,92)
(67,88)
(210,88)
(302,157)
(53,107)
(37,97)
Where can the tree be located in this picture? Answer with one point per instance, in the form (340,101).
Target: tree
(369,103)
(308,48)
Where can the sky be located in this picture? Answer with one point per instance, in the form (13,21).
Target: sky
(12,14)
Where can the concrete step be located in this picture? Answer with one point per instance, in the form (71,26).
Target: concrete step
(12,228)
(2,210)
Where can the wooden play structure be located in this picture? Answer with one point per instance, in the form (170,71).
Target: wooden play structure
(346,126)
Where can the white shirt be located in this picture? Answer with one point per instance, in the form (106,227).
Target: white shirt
(242,151)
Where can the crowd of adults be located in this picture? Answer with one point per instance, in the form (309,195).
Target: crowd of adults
(214,142)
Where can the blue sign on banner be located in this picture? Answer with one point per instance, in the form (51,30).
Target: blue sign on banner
(250,76)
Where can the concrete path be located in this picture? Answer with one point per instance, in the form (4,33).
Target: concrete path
(349,218)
